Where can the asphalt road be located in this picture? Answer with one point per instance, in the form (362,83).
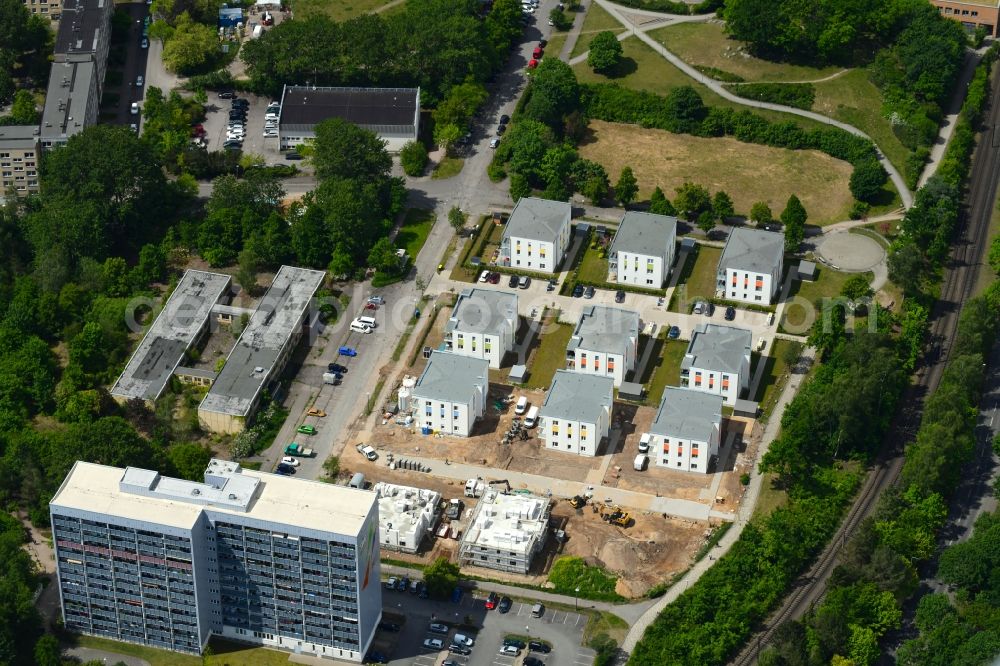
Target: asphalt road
(136,59)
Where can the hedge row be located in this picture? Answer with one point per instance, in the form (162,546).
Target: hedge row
(798,95)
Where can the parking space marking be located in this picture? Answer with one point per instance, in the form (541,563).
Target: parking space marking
(520,607)
(555,617)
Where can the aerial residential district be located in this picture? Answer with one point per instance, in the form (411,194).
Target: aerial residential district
(499,332)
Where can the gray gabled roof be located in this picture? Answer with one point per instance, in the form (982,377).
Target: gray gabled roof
(687,414)
(718,348)
(605,330)
(483,311)
(537,219)
(645,233)
(451,377)
(752,250)
(574,396)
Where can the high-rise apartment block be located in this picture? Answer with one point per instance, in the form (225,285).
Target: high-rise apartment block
(245,555)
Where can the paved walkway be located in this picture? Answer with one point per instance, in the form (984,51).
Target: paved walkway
(742,518)
(620,13)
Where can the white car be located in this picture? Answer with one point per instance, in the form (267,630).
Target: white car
(494,142)
(462,639)
(289,460)
(369,453)
(138,81)
(376,300)
(359,327)
(135,108)
(510,651)
(484,276)
(433,643)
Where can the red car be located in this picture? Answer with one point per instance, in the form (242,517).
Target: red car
(492,601)
(371,306)
(532,64)
(537,53)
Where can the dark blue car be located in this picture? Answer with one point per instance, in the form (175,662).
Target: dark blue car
(347,351)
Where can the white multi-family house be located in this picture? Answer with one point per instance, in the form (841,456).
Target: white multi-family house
(642,252)
(483,324)
(576,414)
(604,343)
(450,394)
(717,361)
(687,429)
(751,266)
(536,236)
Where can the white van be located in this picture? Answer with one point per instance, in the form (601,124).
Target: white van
(644,443)
(640,462)
(367,321)
(531,420)
(358,327)
(522,405)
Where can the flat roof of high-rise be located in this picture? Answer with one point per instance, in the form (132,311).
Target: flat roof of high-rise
(22,137)
(144,495)
(67,100)
(172,333)
(248,366)
(80,26)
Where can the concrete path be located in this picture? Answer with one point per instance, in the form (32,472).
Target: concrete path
(742,518)
(820,80)
(620,13)
(103,656)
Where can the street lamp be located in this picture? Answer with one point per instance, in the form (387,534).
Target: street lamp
(576,599)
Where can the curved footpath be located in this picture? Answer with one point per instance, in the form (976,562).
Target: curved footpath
(618,12)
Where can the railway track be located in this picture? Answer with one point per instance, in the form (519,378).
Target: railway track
(958,282)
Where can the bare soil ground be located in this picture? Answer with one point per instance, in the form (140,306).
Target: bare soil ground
(748,172)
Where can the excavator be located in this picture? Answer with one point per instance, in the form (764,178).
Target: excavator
(615,515)
(578,502)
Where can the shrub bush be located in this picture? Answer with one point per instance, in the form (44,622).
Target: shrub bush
(413,158)
(798,95)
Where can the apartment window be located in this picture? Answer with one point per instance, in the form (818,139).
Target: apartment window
(678,463)
(583,430)
(529,249)
(649,281)
(732,295)
(597,363)
(541,252)
(486,346)
(611,364)
(756,298)
(649,266)
(583,360)
(697,379)
(975,13)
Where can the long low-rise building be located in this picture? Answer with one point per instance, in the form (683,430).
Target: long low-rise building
(391,113)
(178,328)
(247,556)
(405,515)
(262,350)
(506,532)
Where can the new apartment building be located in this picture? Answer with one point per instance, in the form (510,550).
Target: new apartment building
(483,324)
(605,343)
(505,532)
(642,252)
(450,394)
(687,429)
(576,414)
(751,265)
(248,556)
(405,515)
(536,235)
(717,361)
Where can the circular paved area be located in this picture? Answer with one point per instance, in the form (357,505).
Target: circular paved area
(851,252)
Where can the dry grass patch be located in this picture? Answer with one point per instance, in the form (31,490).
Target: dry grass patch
(338,10)
(748,172)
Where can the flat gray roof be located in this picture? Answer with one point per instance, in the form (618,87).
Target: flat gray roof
(381,110)
(645,233)
(687,414)
(249,365)
(605,330)
(21,137)
(575,396)
(67,100)
(483,311)
(171,334)
(451,377)
(538,219)
(719,348)
(752,250)
(80,26)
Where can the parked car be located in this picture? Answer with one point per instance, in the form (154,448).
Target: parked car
(484,276)
(376,657)
(227,94)
(391,584)
(513,642)
(288,460)
(232,143)
(730,313)
(494,278)
(699,307)
(589,292)
(512,283)
(674,333)
(135,108)
(551,285)
(463,639)
(505,604)
(377,300)
(292,156)
(144,43)
(524,282)
(578,291)
(134,127)
(494,142)
(316,412)
(492,600)
(438,628)
(619,296)
(510,651)
(532,63)
(347,351)
(306,429)
(433,643)
(336,367)
(504,119)
(501,129)
(369,453)
(388,626)
(285,469)
(456,595)
(138,81)
(459,649)
(533,661)
(538,646)
(402,584)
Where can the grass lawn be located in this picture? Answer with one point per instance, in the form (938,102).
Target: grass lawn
(338,10)
(698,279)
(596,21)
(570,574)
(593,268)
(775,367)
(798,319)
(603,622)
(448,167)
(556,43)
(770,497)
(550,355)
(707,45)
(225,652)
(854,99)
(748,172)
(413,234)
(986,276)
(664,369)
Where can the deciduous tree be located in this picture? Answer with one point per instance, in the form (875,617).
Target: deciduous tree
(605,52)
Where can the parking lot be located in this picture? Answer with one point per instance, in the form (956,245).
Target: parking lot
(217,118)
(562,630)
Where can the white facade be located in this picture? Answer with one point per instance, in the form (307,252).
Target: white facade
(505,532)
(605,343)
(751,266)
(483,325)
(405,515)
(642,252)
(576,415)
(717,361)
(686,432)
(750,287)
(536,235)
(450,395)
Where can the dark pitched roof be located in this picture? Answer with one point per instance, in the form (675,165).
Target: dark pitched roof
(303,105)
